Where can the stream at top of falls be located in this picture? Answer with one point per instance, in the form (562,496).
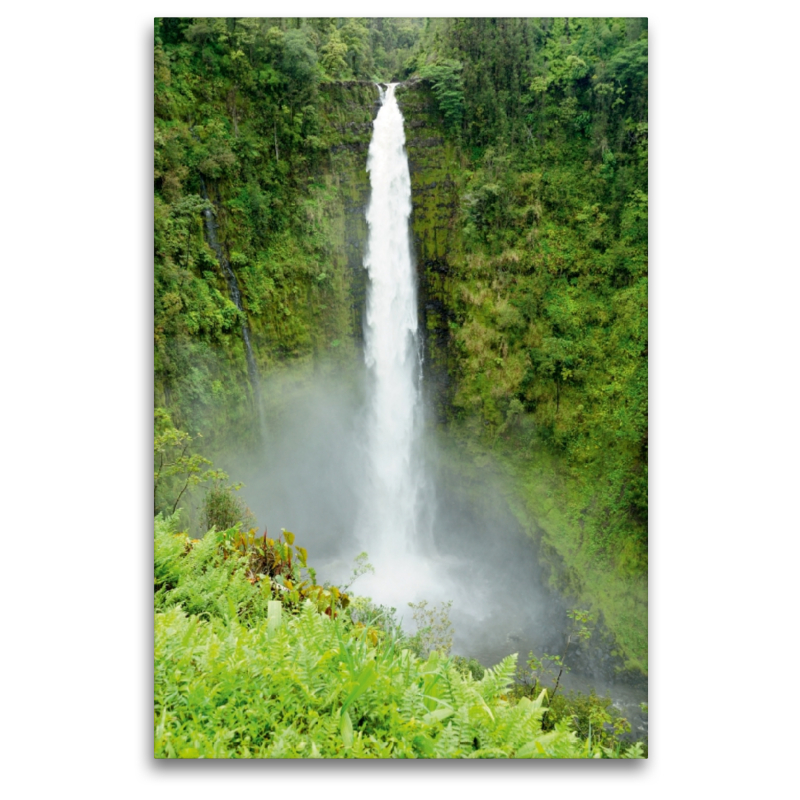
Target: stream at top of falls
(348,466)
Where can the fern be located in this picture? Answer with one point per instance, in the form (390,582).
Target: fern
(233,679)
(497,680)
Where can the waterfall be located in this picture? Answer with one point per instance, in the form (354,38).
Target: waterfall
(236,297)
(390,515)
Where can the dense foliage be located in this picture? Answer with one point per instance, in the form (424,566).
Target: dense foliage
(248,667)
(550,311)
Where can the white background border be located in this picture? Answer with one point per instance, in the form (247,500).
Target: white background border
(77,669)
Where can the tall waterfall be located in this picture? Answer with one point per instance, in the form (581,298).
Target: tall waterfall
(391,512)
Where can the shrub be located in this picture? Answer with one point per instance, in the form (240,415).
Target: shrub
(175,467)
(222,509)
(434,629)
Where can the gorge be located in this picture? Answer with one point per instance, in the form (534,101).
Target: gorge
(441,361)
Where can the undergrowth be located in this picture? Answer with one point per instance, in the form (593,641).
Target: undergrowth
(254,660)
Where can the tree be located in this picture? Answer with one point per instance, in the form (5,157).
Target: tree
(176,468)
(334,55)
(448,89)
(356,37)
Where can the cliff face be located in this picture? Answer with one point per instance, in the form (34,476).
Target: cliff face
(284,223)
(436,234)
(321,313)
(484,313)
(304,293)
(349,108)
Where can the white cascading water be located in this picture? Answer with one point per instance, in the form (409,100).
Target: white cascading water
(390,513)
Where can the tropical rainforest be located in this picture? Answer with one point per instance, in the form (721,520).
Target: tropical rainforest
(527,147)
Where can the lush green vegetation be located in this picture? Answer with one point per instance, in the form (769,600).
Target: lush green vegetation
(540,294)
(528,142)
(254,660)
(549,306)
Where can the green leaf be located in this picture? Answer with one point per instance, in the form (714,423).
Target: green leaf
(425,744)
(527,750)
(344,650)
(438,715)
(273,615)
(367,677)
(346,729)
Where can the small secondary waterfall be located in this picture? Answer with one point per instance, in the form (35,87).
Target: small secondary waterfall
(236,297)
(390,513)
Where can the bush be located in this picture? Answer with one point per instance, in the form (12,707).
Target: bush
(469,666)
(434,629)
(175,467)
(222,509)
(448,89)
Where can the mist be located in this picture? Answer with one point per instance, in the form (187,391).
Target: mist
(309,475)
(348,464)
